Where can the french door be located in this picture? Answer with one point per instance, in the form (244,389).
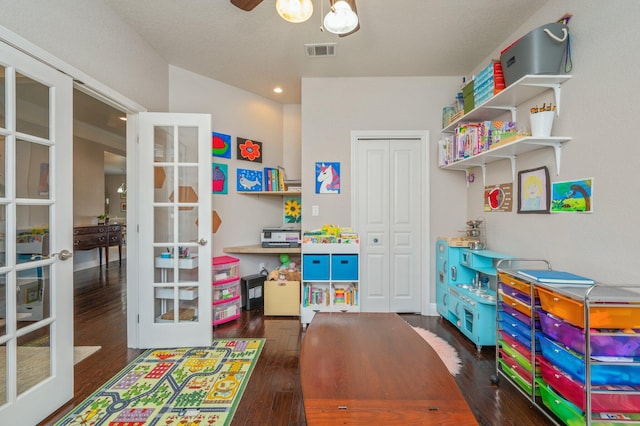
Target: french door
(36,275)
(174,210)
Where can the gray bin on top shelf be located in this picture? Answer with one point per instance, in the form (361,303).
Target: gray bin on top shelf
(539,52)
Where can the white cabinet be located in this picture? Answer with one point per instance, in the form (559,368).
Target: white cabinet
(507,100)
(330,279)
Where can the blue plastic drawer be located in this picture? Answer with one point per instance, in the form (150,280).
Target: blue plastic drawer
(344,267)
(516,334)
(601,374)
(315,267)
(514,324)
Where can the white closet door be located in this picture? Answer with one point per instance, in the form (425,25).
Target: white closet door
(389,218)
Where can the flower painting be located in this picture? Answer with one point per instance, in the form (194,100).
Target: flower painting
(249,180)
(219,180)
(249,150)
(292,210)
(220,145)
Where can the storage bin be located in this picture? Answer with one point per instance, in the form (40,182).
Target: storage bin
(508,310)
(514,324)
(516,334)
(516,304)
(616,401)
(519,285)
(514,344)
(515,293)
(523,360)
(225,268)
(344,267)
(515,366)
(315,267)
(226,291)
(525,385)
(620,344)
(566,411)
(538,52)
(282,298)
(572,310)
(573,364)
(227,311)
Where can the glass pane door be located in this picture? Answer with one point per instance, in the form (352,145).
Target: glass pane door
(175,305)
(36,296)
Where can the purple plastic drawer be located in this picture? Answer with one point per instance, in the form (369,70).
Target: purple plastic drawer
(515,293)
(602,344)
(519,315)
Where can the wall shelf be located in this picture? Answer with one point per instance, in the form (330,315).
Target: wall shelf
(507,100)
(279,193)
(511,150)
(258,249)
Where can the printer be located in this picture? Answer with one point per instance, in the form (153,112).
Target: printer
(282,236)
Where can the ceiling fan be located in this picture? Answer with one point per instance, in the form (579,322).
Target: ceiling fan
(342,18)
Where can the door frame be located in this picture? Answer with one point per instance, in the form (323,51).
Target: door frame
(423,136)
(100,91)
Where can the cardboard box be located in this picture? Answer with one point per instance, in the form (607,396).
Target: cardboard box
(282,298)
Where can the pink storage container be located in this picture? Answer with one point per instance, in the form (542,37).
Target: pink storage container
(617,402)
(508,340)
(225,268)
(618,344)
(225,291)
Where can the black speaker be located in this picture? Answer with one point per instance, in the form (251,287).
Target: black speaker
(252,289)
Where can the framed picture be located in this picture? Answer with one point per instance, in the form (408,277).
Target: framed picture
(572,196)
(327,178)
(123,206)
(534,194)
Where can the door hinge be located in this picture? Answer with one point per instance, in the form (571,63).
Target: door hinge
(138,318)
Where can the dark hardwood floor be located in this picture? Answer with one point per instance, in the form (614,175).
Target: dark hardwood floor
(273,396)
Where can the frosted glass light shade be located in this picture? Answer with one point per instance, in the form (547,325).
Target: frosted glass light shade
(295,11)
(341,19)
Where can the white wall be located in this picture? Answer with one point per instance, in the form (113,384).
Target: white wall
(240,114)
(89,36)
(599,109)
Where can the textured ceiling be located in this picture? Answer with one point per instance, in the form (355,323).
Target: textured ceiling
(258,50)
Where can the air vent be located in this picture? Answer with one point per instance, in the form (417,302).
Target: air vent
(320,49)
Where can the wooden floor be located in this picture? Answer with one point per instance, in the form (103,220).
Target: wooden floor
(273,396)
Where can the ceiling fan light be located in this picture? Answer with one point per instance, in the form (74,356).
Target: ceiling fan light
(340,19)
(295,11)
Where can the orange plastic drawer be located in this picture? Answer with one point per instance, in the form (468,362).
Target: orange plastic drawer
(516,304)
(572,311)
(519,285)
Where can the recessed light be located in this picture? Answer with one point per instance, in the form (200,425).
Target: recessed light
(278,89)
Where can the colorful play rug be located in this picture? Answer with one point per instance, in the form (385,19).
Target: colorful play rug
(184,386)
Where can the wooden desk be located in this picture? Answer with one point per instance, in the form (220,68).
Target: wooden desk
(372,368)
(258,249)
(99,236)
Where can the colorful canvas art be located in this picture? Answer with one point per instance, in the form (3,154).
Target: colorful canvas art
(221,145)
(249,150)
(219,179)
(292,210)
(572,196)
(498,198)
(327,178)
(249,180)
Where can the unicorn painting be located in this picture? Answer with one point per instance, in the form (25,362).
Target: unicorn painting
(328,178)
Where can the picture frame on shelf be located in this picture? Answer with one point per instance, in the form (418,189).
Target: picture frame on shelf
(534,193)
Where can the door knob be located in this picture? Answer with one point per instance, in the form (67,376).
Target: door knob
(63,254)
(202,242)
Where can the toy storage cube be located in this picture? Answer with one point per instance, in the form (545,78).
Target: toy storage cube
(344,267)
(315,267)
(225,267)
(282,298)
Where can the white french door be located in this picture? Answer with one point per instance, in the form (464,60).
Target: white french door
(388,214)
(174,216)
(36,275)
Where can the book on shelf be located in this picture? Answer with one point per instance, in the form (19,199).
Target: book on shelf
(555,277)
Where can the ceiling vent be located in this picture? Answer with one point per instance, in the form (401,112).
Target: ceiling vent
(320,49)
